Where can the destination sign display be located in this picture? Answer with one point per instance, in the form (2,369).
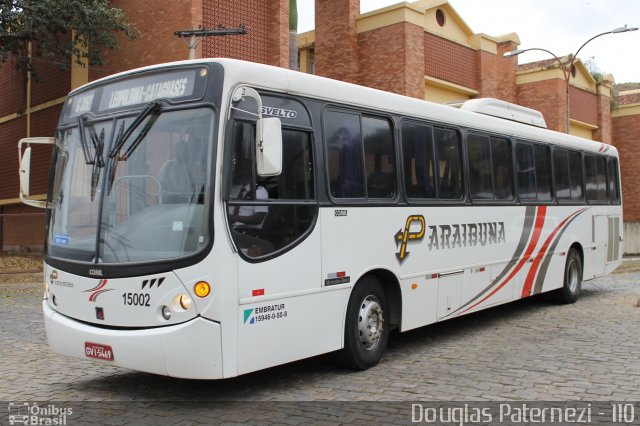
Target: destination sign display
(173,85)
(143,90)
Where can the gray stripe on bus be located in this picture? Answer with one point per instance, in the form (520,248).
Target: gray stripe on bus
(547,258)
(529,217)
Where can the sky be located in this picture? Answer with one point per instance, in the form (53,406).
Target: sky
(560,26)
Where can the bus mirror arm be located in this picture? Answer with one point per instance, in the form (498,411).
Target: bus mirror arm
(24,159)
(268,134)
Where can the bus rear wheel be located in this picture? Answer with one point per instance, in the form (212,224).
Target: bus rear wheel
(366,325)
(570,291)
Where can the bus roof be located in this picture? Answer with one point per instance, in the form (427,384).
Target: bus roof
(322,88)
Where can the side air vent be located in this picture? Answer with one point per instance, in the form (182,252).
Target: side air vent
(506,110)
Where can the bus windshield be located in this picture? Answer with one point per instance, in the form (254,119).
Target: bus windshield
(148,200)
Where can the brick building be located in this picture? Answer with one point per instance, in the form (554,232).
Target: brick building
(625,125)
(425,50)
(422,49)
(31,108)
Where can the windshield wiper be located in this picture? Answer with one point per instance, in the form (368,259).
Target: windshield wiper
(98,160)
(83,142)
(114,165)
(151,108)
(123,135)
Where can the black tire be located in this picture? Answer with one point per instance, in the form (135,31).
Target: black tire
(366,331)
(570,291)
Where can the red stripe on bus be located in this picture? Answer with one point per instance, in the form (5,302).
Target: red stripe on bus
(540,215)
(528,284)
(99,286)
(95,295)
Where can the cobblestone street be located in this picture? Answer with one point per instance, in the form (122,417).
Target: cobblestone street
(528,350)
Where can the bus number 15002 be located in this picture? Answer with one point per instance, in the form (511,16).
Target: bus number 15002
(136,299)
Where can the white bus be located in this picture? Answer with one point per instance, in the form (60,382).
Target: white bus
(215,217)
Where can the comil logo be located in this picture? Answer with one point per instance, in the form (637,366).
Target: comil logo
(95,272)
(24,413)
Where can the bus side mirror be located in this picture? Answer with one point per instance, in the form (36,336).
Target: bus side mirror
(25,170)
(269,146)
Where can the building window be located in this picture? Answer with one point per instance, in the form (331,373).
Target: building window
(440,17)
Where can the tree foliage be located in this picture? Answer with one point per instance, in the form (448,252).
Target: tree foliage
(62,29)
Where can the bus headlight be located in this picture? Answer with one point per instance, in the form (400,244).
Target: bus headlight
(185,302)
(202,289)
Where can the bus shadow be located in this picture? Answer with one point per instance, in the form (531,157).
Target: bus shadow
(281,382)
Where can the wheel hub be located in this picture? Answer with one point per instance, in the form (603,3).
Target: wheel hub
(370,321)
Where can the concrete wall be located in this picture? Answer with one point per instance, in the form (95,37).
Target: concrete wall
(631,238)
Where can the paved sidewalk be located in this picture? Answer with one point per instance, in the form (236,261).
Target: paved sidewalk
(528,350)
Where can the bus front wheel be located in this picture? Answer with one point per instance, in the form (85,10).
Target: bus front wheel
(367,326)
(570,291)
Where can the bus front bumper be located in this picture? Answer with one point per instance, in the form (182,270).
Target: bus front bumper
(191,350)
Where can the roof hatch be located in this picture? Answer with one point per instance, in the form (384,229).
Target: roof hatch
(506,110)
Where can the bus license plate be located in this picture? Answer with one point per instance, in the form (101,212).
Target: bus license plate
(98,351)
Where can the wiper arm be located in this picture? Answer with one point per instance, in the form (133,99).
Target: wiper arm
(123,135)
(98,161)
(114,162)
(122,139)
(83,142)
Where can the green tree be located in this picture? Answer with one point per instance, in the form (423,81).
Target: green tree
(62,29)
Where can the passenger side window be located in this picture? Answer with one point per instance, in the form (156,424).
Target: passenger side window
(479,155)
(490,171)
(360,156)
(432,162)
(417,159)
(534,172)
(575,176)
(447,144)
(614,181)
(567,168)
(596,178)
(344,154)
(502,169)
(526,172)
(379,158)
(601,173)
(543,172)
(561,174)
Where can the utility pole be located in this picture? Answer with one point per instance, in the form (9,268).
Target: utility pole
(206,32)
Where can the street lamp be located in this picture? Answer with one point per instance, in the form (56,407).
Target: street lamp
(566,70)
